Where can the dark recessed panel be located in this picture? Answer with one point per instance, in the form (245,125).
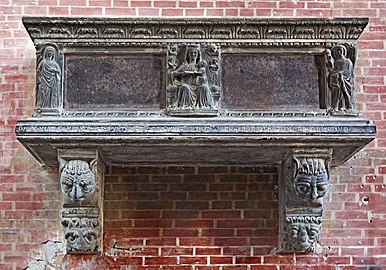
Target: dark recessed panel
(270,82)
(114,81)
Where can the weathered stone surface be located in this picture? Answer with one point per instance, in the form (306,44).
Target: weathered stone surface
(270,82)
(52,256)
(303,185)
(236,140)
(116,81)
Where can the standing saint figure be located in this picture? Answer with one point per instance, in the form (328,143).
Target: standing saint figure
(48,80)
(341,80)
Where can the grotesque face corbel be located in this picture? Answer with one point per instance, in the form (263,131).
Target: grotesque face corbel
(302,232)
(77,180)
(81,234)
(310,179)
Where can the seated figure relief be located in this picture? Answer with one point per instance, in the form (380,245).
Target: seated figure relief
(191,77)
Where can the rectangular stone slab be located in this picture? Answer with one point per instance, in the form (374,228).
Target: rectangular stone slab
(270,81)
(114,81)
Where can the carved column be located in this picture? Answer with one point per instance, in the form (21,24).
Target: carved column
(81,181)
(304,183)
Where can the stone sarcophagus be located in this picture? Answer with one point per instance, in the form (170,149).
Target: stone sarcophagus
(214,91)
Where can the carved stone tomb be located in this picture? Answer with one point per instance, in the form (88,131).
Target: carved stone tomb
(186,91)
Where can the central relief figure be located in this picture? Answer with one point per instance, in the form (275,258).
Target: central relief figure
(193,79)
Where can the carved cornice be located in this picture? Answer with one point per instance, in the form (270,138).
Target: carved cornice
(122,31)
(168,127)
(247,136)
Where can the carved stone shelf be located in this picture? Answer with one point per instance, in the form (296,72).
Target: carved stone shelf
(227,140)
(181,91)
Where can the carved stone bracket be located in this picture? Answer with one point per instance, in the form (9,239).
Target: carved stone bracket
(81,181)
(304,184)
(82,229)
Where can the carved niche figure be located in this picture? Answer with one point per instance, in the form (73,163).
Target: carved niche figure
(191,78)
(310,179)
(48,78)
(81,234)
(301,233)
(77,180)
(341,77)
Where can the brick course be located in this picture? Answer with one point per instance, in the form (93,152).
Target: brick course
(159,209)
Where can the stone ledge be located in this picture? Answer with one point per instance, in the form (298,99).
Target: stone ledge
(227,140)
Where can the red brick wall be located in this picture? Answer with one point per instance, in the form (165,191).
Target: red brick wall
(354,228)
(191,215)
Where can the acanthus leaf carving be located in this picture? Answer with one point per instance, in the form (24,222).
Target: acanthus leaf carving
(331,32)
(304,32)
(87,32)
(241,30)
(117,32)
(194,32)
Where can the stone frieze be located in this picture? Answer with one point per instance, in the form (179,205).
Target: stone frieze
(197,29)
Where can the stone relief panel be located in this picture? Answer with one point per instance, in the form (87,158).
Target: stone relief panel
(340,62)
(193,79)
(77,181)
(48,77)
(301,233)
